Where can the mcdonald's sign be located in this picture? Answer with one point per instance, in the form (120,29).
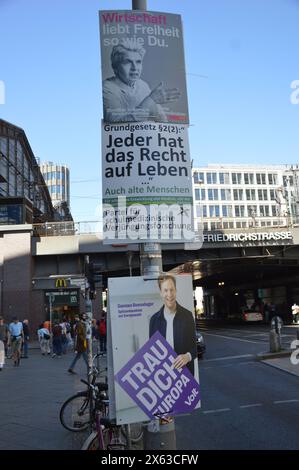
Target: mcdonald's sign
(60,283)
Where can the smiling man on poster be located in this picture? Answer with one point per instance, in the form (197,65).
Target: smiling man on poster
(175,323)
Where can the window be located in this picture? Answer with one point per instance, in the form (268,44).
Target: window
(248,178)
(212,194)
(198,210)
(272,178)
(262,194)
(224,178)
(200,194)
(228,225)
(214,211)
(225,194)
(264,211)
(288,180)
(211,178)
(227,211)
(198,177)
(237,178)
(272,195)
(252,211)
(250,195)
(238,194)
(239,211)
(260,178)
(274,211)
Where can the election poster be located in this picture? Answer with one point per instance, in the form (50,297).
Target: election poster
(147,183)
(143,67)
(153,348)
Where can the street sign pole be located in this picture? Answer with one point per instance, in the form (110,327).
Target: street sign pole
(88,323)
(151,266)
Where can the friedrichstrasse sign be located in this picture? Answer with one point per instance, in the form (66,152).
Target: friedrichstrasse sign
(246,237)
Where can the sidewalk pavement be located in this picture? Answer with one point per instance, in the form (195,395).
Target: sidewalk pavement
(30,399)
(281,360)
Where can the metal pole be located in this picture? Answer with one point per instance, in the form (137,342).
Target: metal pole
(139,4)
(88,311)
(151,265)
(51,319)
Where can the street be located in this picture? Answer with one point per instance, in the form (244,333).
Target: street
(246,404)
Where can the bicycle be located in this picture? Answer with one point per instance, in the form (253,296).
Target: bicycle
(107,435)
(75,413)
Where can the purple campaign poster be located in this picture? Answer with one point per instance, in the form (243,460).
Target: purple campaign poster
(151,381)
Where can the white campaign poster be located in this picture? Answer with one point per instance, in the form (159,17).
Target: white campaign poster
(147,183)
(143,67)
(137,306)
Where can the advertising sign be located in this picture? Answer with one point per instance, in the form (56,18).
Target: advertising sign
(147,186)
(143,67)
(152,331)
(157,388)
(63,297)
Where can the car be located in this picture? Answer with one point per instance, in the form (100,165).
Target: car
(200,344)
(251,315)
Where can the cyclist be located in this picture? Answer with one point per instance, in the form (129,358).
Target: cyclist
(16,338)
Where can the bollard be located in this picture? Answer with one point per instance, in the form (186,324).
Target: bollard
(160,436)
(274,339)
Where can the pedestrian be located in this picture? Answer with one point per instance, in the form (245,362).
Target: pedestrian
(44,339)
(4,334)
(57,339)
(26,339)
(2,355)
(64,341)
(103,333)
(81,344)
(15,339)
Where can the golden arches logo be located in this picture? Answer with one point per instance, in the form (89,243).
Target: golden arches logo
(60,283)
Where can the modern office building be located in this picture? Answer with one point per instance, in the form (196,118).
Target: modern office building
(57,178)
(244,196)
(24,197)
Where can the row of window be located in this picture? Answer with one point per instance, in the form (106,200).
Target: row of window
(54,175)
(213,194)
(235,178)
(236,211)
(211,225)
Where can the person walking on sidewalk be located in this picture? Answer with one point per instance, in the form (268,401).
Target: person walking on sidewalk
(44,339)
(81,345)
(57,339)
(103,332)
(4,334)
(26,339)
(16,337)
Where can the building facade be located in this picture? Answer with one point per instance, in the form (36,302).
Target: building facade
(24,197)
(57,178)
(244,196)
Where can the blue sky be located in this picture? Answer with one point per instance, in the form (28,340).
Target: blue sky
(241,57)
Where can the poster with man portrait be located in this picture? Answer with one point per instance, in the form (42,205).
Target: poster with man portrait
(153,348)
(143,67)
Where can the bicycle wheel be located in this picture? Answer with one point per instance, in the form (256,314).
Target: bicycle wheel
(92,441)
(74,413)
(136,432)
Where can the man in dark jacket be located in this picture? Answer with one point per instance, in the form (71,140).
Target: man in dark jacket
(176,324)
